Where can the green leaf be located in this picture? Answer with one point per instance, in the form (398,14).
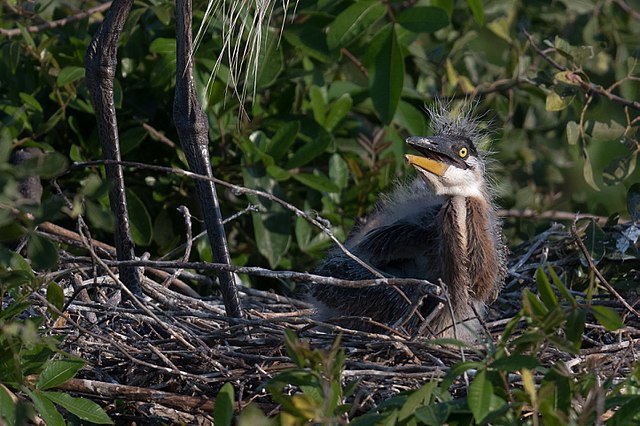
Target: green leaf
(575,326)
(42,253)
(271,225)
(594,241)
(573,132)
(270,61)
(423,19)
(532,305)
(421,396)
(131,138)
(607,132)
(141,223)
(83,408)
(339,110)
(354,21)
(515,362)
(8,408)
(561,287)
(578,54)
(556,102)
(278,173)
(386,74)
(278,146)
(57,372)
(434,414)
(30,101)
(47,166)
(587,171)
(608,317)
(317,96)
(45,408)
(339,171)
(164,46)
(628,414)
(619,169)
(252,416)
(544,289)
(477,10)
(316,181)
(479,397)
(310,39)
(55,296)
(310,150)
(224,406)
(68,75)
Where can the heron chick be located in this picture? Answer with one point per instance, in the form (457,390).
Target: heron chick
(442,227)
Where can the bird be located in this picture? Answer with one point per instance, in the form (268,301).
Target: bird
(442,226)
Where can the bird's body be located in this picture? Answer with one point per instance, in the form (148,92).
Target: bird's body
(443,227)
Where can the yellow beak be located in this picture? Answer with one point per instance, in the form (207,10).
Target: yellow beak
(427,164)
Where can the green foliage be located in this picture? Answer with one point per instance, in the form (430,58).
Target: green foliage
(28,367)
(509,384)
(338,91)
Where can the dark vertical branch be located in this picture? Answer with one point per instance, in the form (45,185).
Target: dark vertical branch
(100,64)
(193,131)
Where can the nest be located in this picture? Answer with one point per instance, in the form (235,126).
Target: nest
(167,355)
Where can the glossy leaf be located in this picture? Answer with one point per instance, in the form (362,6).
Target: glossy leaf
(69,75)
(338,111)
(515,362)
(608,317)
(55,296)
(57,372)
(423,19)
(477,9)
(594,240)
(141,223)
(42,252)
(224,406)
(353,21)
(271,225)
(479,397)
(576,320)
(46,409)
(544,289)
(278,146)
(556,102)
(573,132)
(386,74)
(316,181)
(83,408)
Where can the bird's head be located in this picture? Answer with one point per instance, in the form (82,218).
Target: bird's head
(450,164)
(449,160)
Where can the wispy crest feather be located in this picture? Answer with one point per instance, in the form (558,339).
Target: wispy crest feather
(245,25)
(459,119)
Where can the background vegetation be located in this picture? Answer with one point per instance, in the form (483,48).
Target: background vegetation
(339,87)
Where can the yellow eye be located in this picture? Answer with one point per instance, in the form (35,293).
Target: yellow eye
(463,152)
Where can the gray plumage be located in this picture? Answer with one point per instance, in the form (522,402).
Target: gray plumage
(442,226)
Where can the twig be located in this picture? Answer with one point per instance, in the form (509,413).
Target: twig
(113,391)
(318,222)
(592,266)
(74,239)
(57,23)
(431,289)
(553,215)
(586,86)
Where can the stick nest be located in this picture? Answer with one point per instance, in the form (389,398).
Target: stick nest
(173,352)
